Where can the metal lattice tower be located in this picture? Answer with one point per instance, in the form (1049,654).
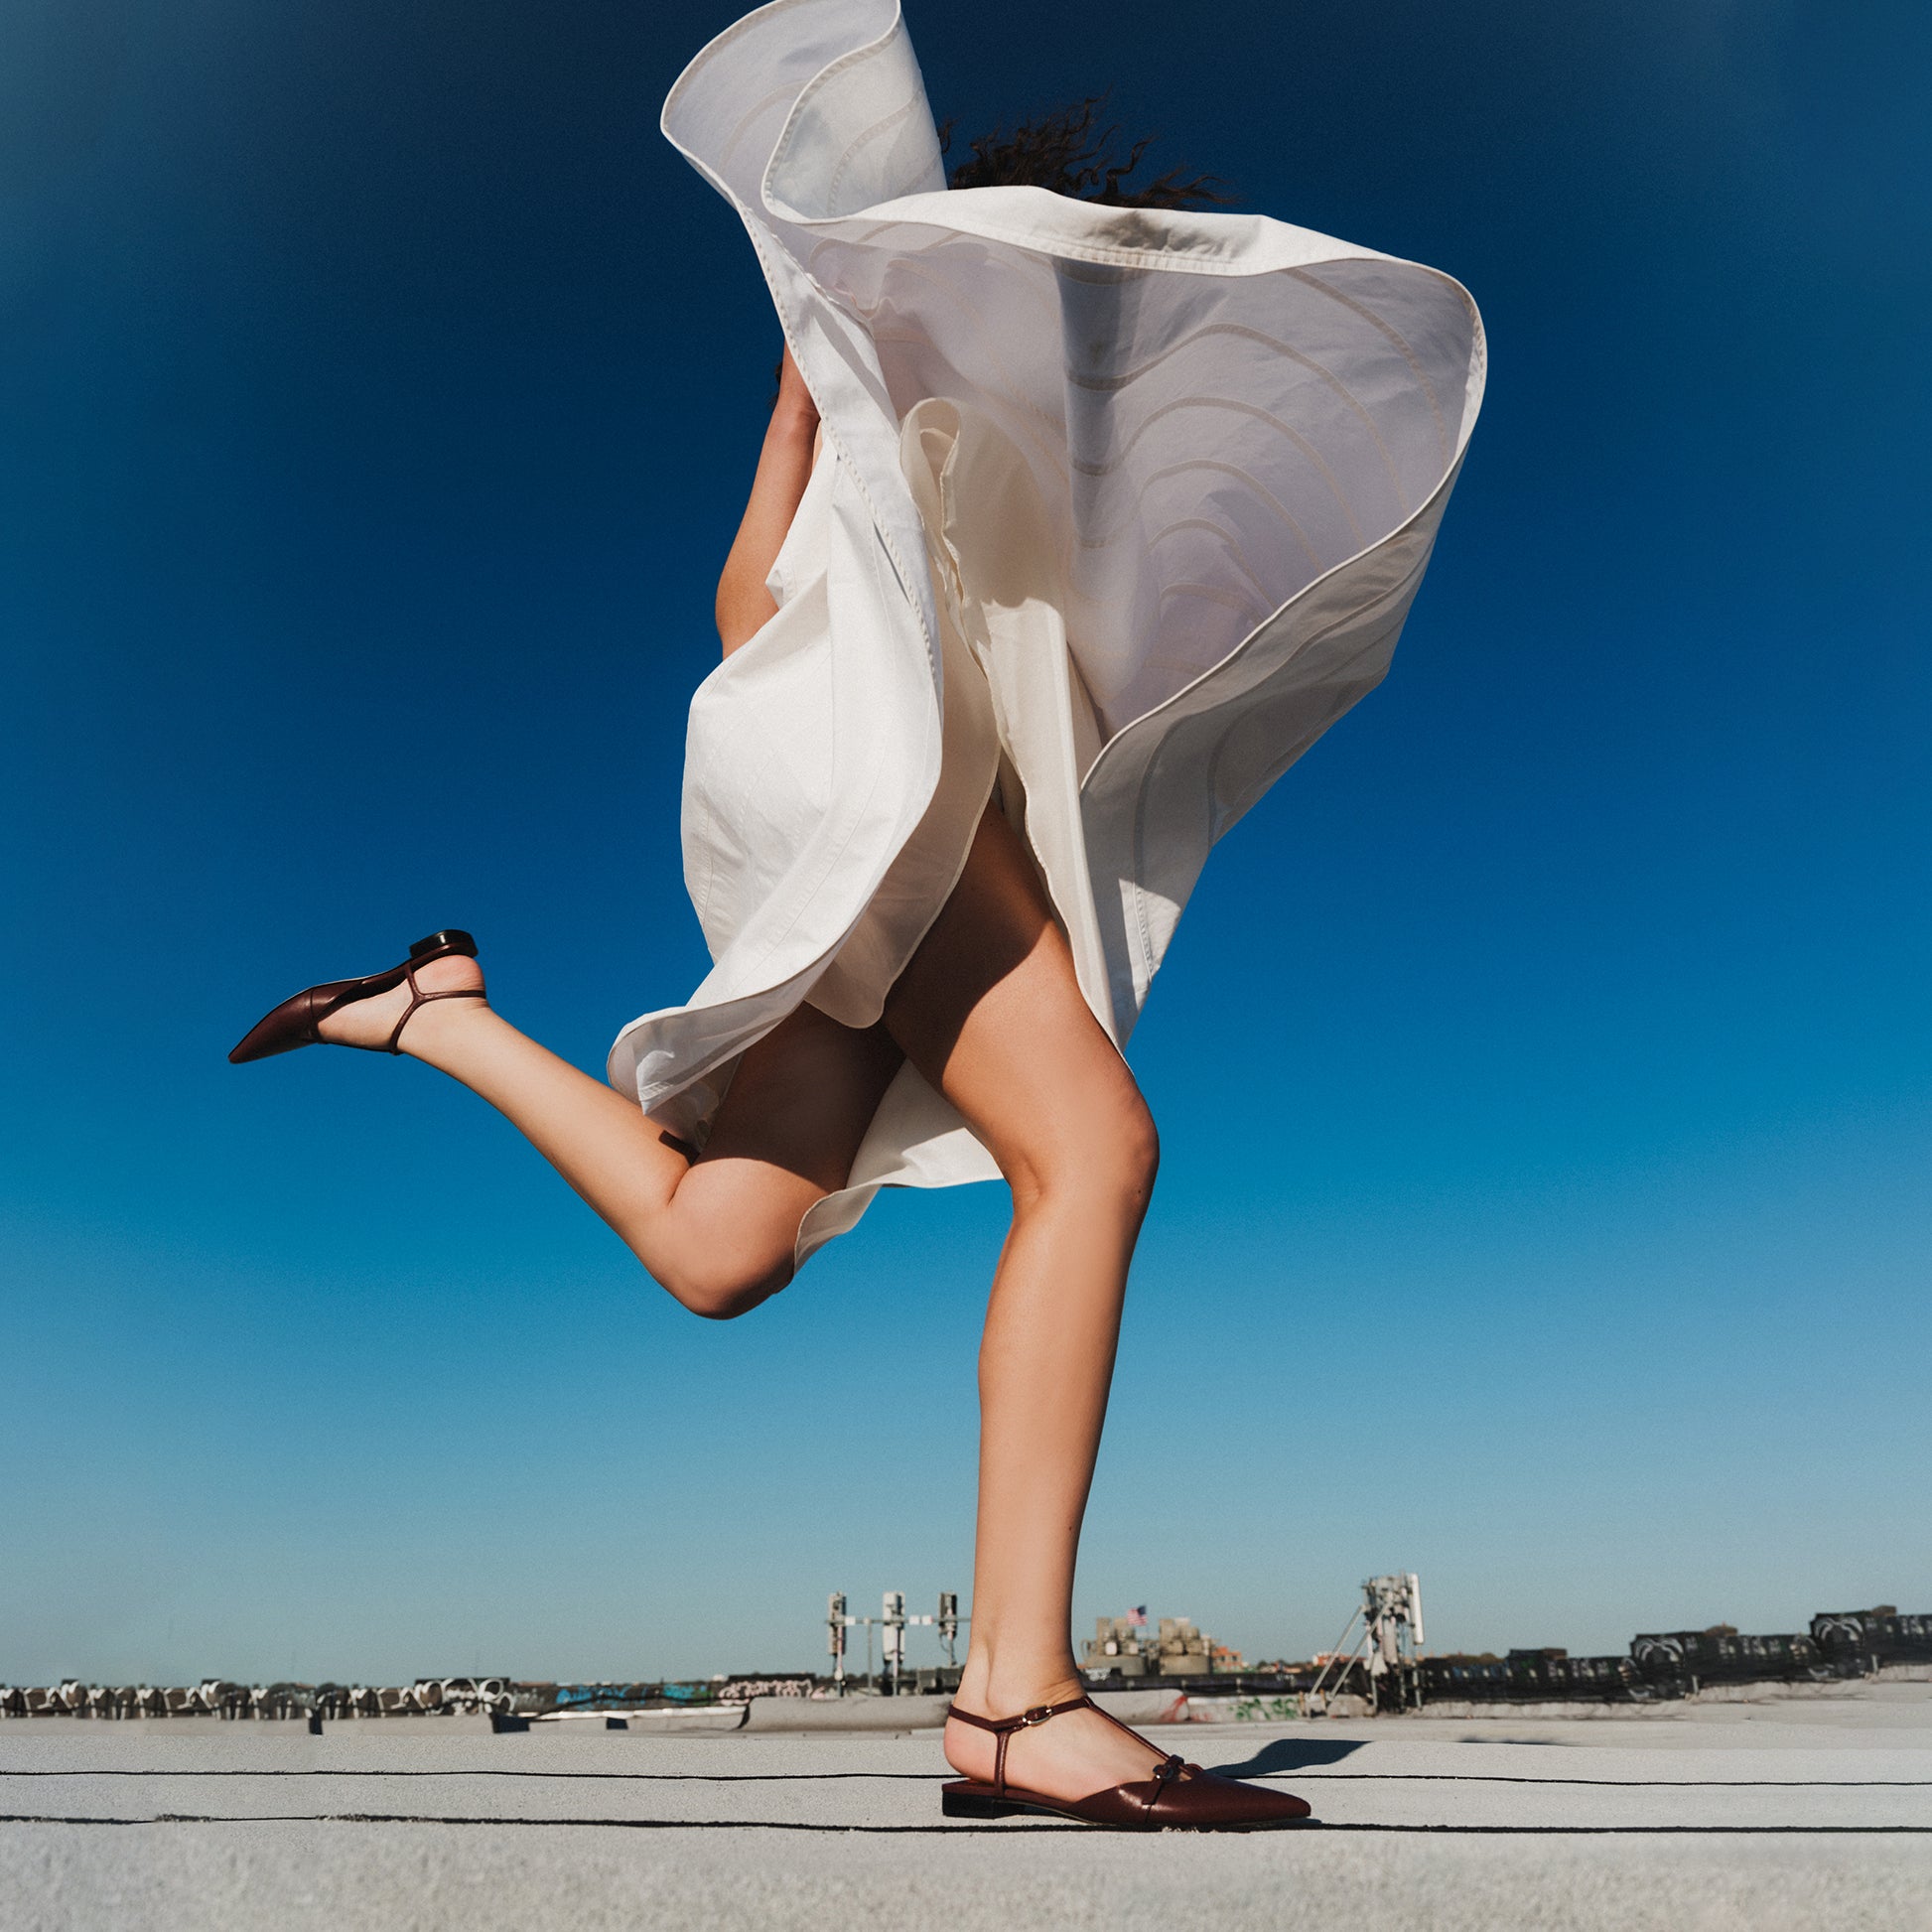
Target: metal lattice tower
(1387,1648)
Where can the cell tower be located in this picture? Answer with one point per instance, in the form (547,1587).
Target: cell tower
(1386,1649)
(893,1623)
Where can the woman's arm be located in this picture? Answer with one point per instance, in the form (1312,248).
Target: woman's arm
(784,468)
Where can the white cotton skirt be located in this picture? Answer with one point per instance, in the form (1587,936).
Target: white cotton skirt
(1117,512)
(859,974)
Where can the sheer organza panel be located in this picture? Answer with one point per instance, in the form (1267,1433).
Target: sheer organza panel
(1208,445)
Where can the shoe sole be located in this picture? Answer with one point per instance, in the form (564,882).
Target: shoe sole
(955,1802)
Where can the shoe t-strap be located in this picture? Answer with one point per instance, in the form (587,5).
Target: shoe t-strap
(418,997)
(1164,1773)
(1004,1727)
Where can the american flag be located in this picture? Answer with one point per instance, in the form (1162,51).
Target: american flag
(1137,1617)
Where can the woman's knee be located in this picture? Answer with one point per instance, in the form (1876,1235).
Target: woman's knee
(721,1283)
(1109,1151)
(1142,1153)
(1133,1149)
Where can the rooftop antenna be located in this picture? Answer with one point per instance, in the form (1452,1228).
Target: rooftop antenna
(1391,1637)
(893,1623)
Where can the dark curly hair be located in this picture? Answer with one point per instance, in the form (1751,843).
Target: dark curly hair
(1065,153)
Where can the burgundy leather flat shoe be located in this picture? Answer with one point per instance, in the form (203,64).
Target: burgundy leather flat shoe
(293,1023)
(1179,1797)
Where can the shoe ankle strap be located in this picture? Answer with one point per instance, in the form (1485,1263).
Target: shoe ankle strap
(1036,1715)
(1004,1727)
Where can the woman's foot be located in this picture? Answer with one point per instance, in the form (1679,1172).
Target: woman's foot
(371,1022)
(1078,1754)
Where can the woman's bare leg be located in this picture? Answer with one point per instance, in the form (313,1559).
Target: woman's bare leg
(717,1232)
(991,1013)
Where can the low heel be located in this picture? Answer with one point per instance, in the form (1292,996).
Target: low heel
(449,941)
(955,1803)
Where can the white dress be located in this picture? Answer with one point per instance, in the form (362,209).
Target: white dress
(1117,511)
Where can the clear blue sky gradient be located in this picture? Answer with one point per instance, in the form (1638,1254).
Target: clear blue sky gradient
(1542,1069)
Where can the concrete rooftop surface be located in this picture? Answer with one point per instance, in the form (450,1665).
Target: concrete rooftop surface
(1809,1812)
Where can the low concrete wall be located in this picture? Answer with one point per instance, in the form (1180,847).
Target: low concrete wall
(700,1718)
(1549,1709)
(419,1724)
(1242,1710)
(198,1726)
(877,1714)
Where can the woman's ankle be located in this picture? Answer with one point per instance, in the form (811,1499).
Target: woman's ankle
(1002,1686)
(437,1027)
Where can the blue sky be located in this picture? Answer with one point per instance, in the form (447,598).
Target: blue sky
(1542,1069)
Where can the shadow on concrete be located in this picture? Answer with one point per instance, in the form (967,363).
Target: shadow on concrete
(1291,1755)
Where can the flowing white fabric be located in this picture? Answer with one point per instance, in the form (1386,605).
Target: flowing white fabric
(1122,508)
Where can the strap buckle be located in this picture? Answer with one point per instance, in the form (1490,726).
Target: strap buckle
(1036,1715)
